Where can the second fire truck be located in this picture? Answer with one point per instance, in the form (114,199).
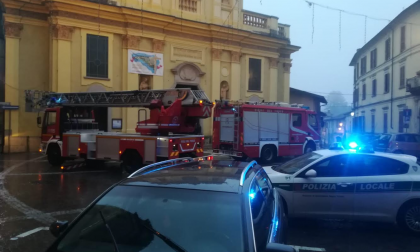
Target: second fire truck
(264,130)
(76,125)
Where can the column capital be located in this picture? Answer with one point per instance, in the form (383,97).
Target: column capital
(286,67)
(131,42)
(216,54)
(235,56)
(62,32)
(158,45)
(12,30)
(274,62)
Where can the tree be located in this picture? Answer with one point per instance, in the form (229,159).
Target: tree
(337,104)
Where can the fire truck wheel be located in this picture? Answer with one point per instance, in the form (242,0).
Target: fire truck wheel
(309,148)
(268,154)
(132,161)
(54,155)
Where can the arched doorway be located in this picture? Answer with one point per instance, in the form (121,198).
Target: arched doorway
(187,75)
(103,115)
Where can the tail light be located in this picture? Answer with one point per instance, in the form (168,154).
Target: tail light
(209,158)
(201,102)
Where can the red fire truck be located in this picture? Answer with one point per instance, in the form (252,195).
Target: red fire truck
(264,130)
(77,125)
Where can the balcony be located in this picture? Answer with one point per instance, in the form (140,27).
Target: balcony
(264,24)
(413,85)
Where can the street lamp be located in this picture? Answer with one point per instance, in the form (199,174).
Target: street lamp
(340,124)
(339,128)
(352,113)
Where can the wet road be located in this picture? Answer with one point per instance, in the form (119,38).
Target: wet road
(33,194)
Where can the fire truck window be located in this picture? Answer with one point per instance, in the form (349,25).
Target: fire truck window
(297,120)
(51,118)
(312,121)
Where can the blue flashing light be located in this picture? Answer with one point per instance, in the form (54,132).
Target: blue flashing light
(233,109)
(353,145)
(59,100)
(251,196)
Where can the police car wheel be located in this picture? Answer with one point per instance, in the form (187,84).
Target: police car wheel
(409,218)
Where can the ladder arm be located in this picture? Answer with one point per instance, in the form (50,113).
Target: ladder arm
(39,100)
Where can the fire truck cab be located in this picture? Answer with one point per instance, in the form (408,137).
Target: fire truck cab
(264,130)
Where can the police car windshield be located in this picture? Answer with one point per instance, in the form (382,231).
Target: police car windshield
(298,163)
(194,220)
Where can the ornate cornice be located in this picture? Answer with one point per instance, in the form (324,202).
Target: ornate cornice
(62,32)
(12,30)
(131,42)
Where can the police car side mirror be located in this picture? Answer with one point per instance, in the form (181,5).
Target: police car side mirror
(57,227)
(310,174)
(276,247)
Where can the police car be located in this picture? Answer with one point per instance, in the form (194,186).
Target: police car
(346,184)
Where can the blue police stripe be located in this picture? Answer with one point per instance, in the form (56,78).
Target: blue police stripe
(416,186)
(397,186)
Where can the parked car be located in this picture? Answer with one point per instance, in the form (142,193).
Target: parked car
(182,205)
(353,185)
(402,143)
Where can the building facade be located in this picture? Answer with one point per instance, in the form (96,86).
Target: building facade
(382,101)
(85,46)
(311,100)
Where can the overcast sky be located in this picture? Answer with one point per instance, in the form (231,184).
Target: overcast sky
(323,67)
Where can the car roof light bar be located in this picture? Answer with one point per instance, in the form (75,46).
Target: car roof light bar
(245,171)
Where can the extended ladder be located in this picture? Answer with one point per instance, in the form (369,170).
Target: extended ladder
(38,100)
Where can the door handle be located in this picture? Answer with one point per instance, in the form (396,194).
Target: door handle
(344,184)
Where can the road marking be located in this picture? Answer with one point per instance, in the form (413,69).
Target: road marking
(19,205)
(298,248)
(27,233)
(18,218)
(53,173)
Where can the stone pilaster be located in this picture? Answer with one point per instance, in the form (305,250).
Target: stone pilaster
(235,76)
(61,58)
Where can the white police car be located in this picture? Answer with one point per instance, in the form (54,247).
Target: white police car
(345,184)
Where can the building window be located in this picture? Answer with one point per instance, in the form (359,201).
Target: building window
(188,5)
(372,126)
(374,88)
(364,92)
(401,122)
(402,77)
(373,54)
(356,96)
(97,56)
(363,66)
(388,49)
(386,84)
(385,123)
(357,70)
(254,79)
(402,39)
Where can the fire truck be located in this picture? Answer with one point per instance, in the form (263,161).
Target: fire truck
(264,130)
(75,125)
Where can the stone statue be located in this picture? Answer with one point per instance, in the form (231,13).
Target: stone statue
(224,89)
(144,84)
